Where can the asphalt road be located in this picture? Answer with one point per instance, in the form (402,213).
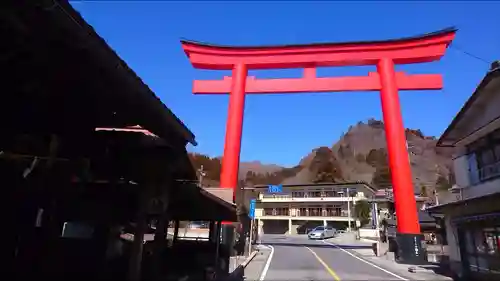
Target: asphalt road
(297,258)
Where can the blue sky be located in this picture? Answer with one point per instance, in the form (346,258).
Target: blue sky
(281,129)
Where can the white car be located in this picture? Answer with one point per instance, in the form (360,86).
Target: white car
(322,232)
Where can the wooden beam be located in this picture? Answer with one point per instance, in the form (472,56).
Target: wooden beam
(310,83)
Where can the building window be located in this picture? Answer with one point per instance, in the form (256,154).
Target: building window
(473,168)
(77,230)
(484,158)
(482,249)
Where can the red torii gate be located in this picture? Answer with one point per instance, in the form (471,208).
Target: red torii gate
(384,54)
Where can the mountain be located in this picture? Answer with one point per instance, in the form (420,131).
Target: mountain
(359,155)
(257,167)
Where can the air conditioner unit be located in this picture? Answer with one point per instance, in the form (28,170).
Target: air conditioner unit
(455,189)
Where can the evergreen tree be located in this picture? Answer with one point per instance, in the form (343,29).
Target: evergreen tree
(362,212)
(442,183)
(423,191)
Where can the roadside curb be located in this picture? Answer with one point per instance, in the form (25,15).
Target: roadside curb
(249,259)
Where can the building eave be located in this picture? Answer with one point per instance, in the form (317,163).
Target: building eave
(444,140)
(438,209)
(161,113)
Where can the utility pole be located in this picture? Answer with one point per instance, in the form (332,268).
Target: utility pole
(348,209)
(201,174)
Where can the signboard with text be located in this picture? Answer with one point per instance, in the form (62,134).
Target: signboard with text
(275,189)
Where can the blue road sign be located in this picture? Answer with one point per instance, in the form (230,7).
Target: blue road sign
(251,212)
(275,188)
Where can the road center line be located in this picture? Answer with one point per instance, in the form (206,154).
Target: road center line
(367,262)
(332,273)
(268,263)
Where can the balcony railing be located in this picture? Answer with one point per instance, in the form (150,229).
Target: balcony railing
(485,173)
(305,213)
(276,212)
(292,196)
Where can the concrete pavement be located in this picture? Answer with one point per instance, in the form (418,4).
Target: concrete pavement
(363,251)
(297,258)
(292,260)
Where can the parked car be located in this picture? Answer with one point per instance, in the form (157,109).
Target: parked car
(322,232)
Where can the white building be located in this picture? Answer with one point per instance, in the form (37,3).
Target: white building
(472,215)
(299,207)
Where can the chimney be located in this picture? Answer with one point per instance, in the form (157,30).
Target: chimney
(495,65)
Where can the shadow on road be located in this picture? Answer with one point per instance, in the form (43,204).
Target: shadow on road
(314,245)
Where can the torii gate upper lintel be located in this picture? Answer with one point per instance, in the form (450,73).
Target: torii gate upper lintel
(384,54)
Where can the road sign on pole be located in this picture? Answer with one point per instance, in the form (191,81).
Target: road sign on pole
(251,212)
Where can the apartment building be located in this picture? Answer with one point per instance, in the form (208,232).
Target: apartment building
(472,215)
(293,209)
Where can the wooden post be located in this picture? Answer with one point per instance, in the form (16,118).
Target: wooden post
(135,261)
(160,236)
(51,226)
(217,244)
(250,237)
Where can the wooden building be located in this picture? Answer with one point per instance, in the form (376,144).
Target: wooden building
(70,187)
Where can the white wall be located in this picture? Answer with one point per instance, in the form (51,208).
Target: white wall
(364,232)
(461,168)
(452,238)
(482,189)
(460,164)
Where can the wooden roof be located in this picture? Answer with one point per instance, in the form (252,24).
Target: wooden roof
(195,204)
(61,77)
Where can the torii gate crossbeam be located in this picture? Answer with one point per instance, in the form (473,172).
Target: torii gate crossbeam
(384,54)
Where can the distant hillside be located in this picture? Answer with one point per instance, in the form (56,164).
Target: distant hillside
(359,155)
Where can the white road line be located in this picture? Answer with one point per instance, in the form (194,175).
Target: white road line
(268,263)
(367,262)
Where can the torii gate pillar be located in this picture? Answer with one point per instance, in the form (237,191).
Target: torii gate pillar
(234,129)
(383,54)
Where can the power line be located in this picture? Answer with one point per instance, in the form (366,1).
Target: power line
(454,46)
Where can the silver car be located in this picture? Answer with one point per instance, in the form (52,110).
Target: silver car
(322,232)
